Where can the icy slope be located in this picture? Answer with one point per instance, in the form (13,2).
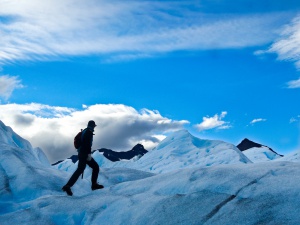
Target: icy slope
(23,179)
(292,157)
(182,150)
(224,194)
(261,154)
(10,138)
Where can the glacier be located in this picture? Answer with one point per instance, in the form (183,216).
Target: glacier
(221,186)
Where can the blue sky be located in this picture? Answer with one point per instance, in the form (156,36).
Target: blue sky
(221,69)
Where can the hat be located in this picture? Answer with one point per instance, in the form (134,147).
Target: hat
(92,123)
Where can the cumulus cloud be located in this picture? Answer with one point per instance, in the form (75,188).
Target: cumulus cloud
(8,84)
(257,120)
(123,30)
(120,127)
(213,122)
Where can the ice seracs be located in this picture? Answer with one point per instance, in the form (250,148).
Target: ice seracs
(11,139)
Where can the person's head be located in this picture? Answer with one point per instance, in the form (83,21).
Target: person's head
(91,124)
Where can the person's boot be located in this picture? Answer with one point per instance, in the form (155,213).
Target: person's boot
(97,186)
(67,189)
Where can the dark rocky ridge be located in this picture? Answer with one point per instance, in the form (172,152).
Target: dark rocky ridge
(137,150)
(247,144)
(113,156)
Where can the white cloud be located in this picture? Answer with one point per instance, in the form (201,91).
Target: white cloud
(8,84)
(213,122)
(40,30)
(294,84)
(288,45)
(257,120)
(152,141)
(293,119)
(120,127)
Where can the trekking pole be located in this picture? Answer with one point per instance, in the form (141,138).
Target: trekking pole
(82,175)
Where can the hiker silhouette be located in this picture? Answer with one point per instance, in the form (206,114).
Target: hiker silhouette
(85,158)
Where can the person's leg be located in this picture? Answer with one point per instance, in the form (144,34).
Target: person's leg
(94,165)
(81,166)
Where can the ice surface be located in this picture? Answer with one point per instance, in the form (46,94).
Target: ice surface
(10,138)
(261,154)
(232,191)
(292,157)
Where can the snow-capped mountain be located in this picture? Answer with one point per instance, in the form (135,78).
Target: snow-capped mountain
(233,193)
(183,150)
(257,152)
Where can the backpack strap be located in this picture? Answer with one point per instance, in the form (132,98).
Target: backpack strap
(82,134)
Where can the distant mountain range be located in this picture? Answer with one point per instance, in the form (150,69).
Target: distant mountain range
(181,150)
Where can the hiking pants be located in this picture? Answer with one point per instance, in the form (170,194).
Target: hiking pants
(81,166)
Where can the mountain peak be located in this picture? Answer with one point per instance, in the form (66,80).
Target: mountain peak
(246,144)
(138,148)
(180,133)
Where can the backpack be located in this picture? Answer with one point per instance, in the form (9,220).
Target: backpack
(78,139)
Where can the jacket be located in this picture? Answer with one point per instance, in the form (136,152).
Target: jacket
(87,142)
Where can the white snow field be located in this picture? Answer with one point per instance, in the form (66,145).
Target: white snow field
(261,154)
(229,191)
